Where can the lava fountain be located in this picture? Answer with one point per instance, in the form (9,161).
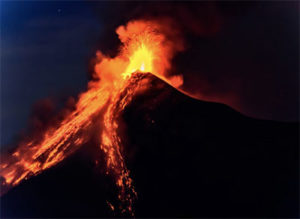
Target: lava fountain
(147,46)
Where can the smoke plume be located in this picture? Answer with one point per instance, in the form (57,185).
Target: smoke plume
(241,54)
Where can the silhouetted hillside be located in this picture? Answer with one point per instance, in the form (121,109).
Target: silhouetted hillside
(187,158)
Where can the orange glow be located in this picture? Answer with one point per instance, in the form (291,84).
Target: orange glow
(145,48)
(141,60)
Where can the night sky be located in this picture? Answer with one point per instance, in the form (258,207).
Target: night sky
(46,49)
(243,55)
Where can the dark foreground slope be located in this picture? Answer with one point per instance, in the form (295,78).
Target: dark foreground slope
(187,158)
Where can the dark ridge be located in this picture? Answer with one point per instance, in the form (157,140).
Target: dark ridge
(187,158)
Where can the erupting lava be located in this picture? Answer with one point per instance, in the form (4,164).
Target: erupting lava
(147,46)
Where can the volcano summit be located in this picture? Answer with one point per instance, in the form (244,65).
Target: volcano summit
(134,144)
(186,158)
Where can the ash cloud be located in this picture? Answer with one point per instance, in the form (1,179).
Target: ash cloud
(243,54)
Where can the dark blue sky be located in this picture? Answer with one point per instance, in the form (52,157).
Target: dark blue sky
(45,51)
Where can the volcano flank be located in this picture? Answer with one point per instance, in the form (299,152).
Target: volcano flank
(187,158)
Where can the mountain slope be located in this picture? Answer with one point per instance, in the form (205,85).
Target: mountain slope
(187,158)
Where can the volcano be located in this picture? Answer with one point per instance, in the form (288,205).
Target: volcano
(187,158)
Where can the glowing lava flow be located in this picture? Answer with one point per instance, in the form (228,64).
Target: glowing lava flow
(145,48)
